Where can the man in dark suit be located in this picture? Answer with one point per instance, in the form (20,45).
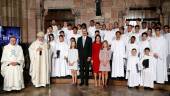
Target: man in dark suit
(84,45)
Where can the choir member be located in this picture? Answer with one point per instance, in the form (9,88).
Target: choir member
(133,69)
(118,49)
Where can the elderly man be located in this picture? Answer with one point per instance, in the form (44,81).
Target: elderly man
(39,67)
(12,66)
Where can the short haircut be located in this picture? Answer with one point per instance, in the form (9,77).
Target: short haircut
(61,32)
(97,31)
(12,37)
(134,49)
(118,32)
(147,49)
(137,26)
(133,37)
(50,26)
(75,28)
(97,23)
(92,21)
(144,34)
(61,36)
(158,28)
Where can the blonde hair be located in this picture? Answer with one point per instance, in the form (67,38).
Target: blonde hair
(105,41)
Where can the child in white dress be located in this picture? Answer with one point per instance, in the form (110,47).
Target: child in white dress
(73,61)
(133,69)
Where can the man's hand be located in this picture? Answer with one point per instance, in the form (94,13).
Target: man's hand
(13,63)
(39,49)
(88,59)
(155,55)
(91,61)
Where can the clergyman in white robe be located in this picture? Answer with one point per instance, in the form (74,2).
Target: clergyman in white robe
(13,74)
(39,67)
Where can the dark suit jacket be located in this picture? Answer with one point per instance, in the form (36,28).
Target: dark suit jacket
(86,51)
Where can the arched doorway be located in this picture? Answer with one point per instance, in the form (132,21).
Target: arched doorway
(60,15)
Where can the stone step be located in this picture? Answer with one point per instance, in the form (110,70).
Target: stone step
(111,82)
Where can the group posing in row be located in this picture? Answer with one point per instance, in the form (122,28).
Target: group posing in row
(140,53)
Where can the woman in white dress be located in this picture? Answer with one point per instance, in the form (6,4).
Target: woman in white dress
(73,61)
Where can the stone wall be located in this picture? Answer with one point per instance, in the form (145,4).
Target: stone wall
(29,14)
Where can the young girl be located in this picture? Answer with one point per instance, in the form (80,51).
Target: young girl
(133,69)
(104,57)
(96,46)
(73,61)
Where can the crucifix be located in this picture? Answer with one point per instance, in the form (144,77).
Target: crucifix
(98,8)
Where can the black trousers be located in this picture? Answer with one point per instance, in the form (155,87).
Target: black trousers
(84,71)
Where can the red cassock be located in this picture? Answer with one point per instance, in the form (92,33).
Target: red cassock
(96,47)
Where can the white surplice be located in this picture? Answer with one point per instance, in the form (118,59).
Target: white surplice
(148,74)
(109,36)
(13,75)
(159,47)
(60,66)
(39,67)
(132,71)
(118,49)
(91,30)
(167,36)
(142,46)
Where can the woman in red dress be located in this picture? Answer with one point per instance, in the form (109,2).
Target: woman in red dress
(96,46)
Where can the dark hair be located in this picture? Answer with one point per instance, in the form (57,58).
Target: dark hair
(84,26)
(147,49)
(144,23)
(72,38)
(134,49)
(97,31)
(144,34)
(69,24)
(138,19)
(166,26)
(12,37)
(61,36)
(61,32)
(50,26)
(118,32)
(137,26)
(133,37)
(75,28)
(92,21)
(158,28)
(96,37)
(49,36)
(71,44)
(97,23)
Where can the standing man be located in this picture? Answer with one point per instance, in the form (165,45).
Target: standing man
(160,52)
(84,45)
(39,67)
(12,66)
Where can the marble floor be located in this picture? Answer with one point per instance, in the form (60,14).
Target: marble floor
(69,90)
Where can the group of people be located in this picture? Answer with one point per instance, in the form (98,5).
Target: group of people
(140,53)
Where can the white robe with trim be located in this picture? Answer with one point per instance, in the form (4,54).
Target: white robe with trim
(13,75)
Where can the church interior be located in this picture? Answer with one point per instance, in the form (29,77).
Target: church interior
(28,17)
